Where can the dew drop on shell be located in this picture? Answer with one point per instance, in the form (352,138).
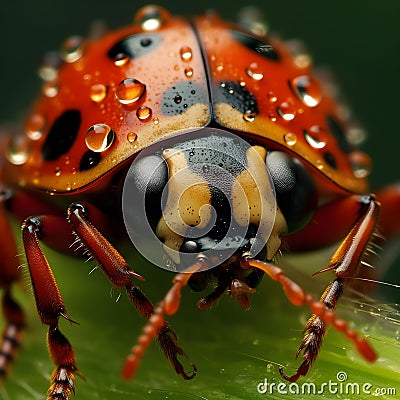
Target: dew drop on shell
(99,137)
(151,17)
(129,91)
(72,49)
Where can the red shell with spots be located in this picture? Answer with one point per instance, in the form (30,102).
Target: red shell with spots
(163,76)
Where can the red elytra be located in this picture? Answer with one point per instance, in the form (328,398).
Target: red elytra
(156,81)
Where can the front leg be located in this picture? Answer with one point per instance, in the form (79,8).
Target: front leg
(50,307)
(49,302)
(344,263)
(120,275)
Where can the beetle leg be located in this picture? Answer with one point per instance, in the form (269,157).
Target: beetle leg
(120,275)
(325,315)
(344,262)
(9,274)
(50,307)
(168,306)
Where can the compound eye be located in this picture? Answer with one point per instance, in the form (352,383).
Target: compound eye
(296,193)
(145,182)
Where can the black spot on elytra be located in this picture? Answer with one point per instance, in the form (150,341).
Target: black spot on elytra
(337,131)
(330,160)
(89,160)
(62,135)
(181,97)
(135,46)
(237,96)
(256,45)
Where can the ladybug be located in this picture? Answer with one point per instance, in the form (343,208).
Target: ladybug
(214,148)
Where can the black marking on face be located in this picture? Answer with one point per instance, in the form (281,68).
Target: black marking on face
(135,46)
(89,160)
(237,96)
(181,97)
(256,45)
(338,131)
(62,135)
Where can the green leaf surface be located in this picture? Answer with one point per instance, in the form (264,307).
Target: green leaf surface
(234,350)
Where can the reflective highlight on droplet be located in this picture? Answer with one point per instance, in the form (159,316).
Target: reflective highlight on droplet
(185,53)
(50,89)
(188,72)
(35,126)
(249,116)
(129,91)
(254,72)
(132,136)
(72,49)
(18,150)
(361,164)
(98,92)
(316,137)
(121,59)
(287,111)
(307,89)
(290,138)
(99,137)
(51,62)
(144,113)
(151,17)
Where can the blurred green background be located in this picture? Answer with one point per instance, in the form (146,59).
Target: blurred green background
(360,41)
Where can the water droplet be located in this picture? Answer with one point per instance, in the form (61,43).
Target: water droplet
(188,72)
(316,137)
(287,111)
(365,328)
(319,164)
(98,92)
(222,371)
(256,342)
(219,67)
(252,19)
(132,136)
(290,138)
(270,367)
(272,97)
(360,163)
(129,91)
(50,89)
(72,49)
(301,56)
(121,59)
(307,89)
(186,53)
(35,126)
(151,17)
(51,62)
(18,150)
(177,99)
(249,116)
(272,117)
(254,72)
(156,121)
(144,113)
(356,134)
(99,137)
(58,171)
